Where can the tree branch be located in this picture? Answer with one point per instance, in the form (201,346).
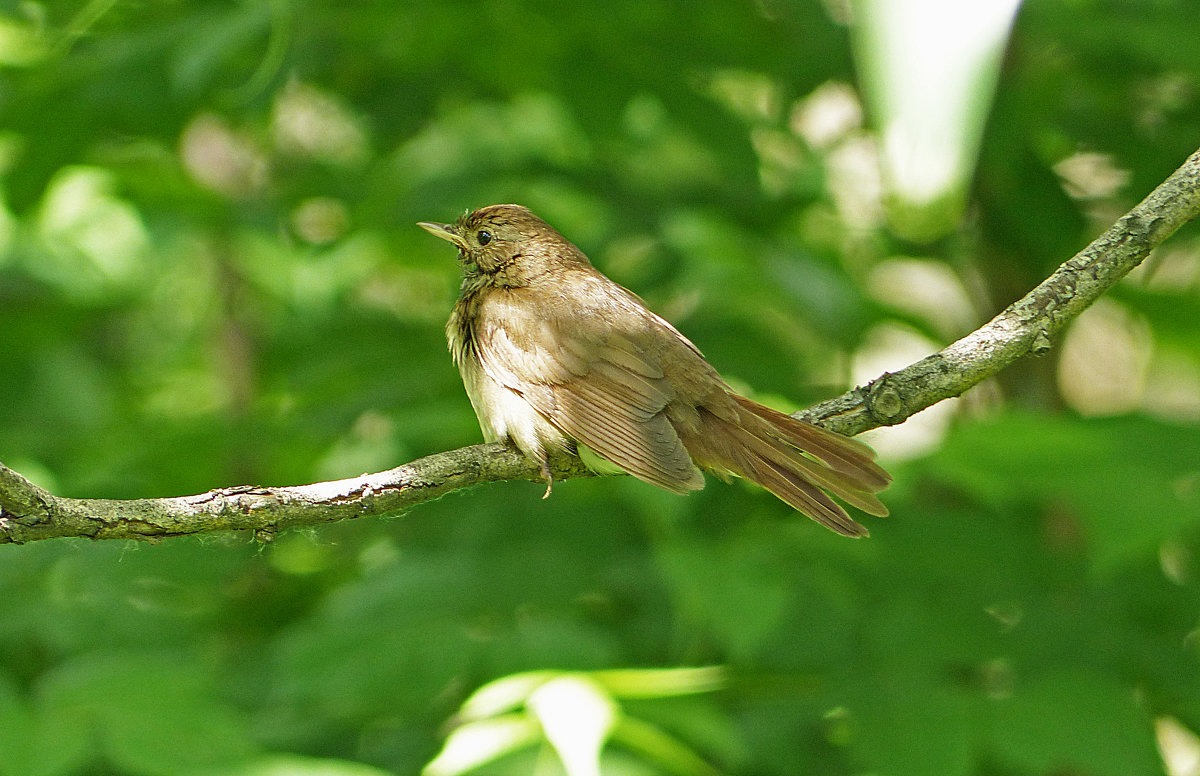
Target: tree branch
(29,513)
(1025,326)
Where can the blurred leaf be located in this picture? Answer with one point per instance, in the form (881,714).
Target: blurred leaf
(1124,477)
(577,717)
(151,713)
(730,589)
(910,727)
(661,682)
(1074,722)
(503,695)
(661,749)
(1175,318)
(295,765)
(482,741)
(36,741)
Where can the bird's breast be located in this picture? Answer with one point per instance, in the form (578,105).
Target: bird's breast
(503,413)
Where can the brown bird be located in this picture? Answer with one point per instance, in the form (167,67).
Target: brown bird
(554,355)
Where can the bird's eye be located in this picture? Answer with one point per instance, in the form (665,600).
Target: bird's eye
(484,237)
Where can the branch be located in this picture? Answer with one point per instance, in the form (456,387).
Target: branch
(29,513)
(1027,325)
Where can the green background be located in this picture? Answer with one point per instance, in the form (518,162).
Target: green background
(210,275)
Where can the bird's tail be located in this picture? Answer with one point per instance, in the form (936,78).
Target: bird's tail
(801,464)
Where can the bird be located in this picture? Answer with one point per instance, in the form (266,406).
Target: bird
(557,358)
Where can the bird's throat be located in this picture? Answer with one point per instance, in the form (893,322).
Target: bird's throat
(460,329)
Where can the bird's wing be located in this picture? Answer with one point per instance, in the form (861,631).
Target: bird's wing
(594,372)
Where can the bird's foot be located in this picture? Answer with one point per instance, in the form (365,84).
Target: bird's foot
(547,476)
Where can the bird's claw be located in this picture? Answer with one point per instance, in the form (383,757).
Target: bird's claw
(548,477)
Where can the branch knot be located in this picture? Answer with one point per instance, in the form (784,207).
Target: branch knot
(884,401)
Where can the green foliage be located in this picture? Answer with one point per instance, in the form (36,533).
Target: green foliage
(210,275)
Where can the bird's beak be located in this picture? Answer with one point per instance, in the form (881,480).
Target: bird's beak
(445,231)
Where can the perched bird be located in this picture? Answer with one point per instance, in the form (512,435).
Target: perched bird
(554,355)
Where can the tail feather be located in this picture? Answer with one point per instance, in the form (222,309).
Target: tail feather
(778,475)
(840,453)
(856,497)
(799,463)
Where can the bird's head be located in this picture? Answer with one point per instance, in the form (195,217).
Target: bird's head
(506,243)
